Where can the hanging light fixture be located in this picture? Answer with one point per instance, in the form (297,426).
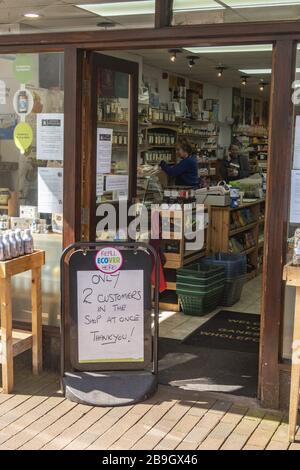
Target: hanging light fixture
(192,60)
(173,54)
(220,71)
(244,80)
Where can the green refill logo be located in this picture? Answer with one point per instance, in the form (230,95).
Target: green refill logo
(109,260)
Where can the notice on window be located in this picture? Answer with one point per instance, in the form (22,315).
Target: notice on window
(296,160)
(50,136)
(50,190)
(117,183)
(104,150)
(110,316)
(295,198)
(99,184)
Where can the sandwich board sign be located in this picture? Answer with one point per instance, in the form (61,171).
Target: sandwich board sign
(109,336)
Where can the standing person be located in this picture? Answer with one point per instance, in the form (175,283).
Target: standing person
(236,165)
(186,171)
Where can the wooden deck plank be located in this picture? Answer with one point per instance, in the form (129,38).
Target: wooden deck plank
(89,436)
(71,433)
(264,432)
(224,428)
(136,432)
(24,414)
(243,431)
(28,389)
(206,424)
(60,408)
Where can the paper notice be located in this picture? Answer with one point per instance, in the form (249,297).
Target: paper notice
(295,198)
(104,150)
(50,190)
(50,136)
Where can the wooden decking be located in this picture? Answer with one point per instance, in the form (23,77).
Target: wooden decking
(37,416)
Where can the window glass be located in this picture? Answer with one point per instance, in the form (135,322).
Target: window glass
(31,167)
(232,11)
(294,216)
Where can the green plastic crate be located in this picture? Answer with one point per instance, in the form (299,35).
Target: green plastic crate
(198,305)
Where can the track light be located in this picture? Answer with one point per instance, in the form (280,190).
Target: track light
(262,85)
(192,60)
(173,54)
(220,71)
(244,80)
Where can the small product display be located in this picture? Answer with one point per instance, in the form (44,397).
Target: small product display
(15,243)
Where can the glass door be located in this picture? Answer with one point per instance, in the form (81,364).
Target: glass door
(114,122)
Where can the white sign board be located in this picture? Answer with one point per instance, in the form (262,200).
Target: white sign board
(110,316)
(104,150)
(50,136)
(117,183)
(295,198)
(296,162)
(50,190)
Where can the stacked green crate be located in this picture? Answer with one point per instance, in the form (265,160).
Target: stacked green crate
(199,288)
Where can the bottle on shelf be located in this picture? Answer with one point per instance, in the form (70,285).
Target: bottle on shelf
(19,241)
(13,245)
(6,246)
(2,257)
(28,242)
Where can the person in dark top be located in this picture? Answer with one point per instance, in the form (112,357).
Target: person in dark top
(235,166)
(186,171)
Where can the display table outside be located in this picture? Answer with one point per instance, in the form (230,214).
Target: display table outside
(291,275)
(14,342)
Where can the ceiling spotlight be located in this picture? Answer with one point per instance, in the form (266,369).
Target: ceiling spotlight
(220,71)
(106,24)
(244,80)
(173,54)
(192,60)
(32,15)
(262,85)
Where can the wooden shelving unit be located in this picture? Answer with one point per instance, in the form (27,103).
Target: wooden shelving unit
(11,207)
(169,299)
(14,342)
(222,231)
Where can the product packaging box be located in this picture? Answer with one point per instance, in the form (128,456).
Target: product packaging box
(20,222)
(57,223)
(29,212)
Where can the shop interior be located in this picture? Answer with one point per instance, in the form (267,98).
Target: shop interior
(216,99)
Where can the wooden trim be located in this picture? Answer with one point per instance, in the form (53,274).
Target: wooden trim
(72,146)
(276,221)
(212,34)
(133,133)
(163,13)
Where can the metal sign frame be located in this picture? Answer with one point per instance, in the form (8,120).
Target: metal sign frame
(87,247)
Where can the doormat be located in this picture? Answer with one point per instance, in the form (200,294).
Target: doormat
(234,331)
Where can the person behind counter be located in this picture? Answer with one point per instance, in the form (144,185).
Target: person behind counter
(235,165)
(186,171)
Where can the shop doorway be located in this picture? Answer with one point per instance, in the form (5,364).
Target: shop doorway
(214,98)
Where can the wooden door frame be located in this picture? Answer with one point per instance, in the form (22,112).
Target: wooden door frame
(283,35)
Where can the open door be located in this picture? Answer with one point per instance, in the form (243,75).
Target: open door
(113,129)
